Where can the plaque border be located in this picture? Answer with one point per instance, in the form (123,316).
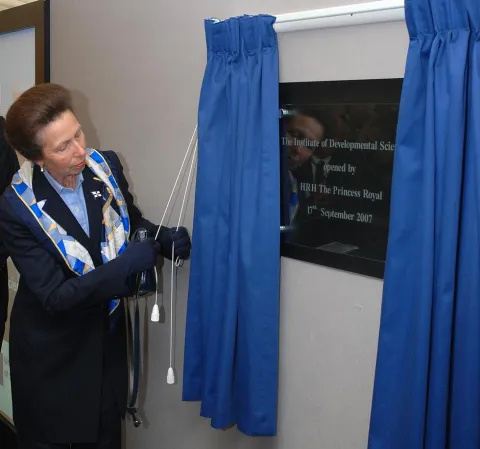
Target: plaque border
(379,91)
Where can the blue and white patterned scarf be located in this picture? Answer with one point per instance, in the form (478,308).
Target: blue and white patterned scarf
(116,227)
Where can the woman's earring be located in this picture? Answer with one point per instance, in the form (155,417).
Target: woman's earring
(41,168)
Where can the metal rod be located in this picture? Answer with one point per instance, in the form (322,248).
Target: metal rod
(361,13)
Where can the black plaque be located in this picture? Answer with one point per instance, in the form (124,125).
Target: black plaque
(338,142)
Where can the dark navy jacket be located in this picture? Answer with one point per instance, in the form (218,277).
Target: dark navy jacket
(60,346)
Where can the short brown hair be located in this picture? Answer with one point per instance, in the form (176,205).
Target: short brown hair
(31,112)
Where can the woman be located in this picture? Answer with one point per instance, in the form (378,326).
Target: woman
(66,222)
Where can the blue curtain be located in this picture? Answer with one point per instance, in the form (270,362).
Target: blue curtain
(427,384)
(231,347)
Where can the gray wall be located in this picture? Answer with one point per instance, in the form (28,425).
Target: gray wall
(136,69)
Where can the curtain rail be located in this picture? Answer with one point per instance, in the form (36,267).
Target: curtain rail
(338,16)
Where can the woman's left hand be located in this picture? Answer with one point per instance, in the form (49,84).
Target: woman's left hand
(180,240)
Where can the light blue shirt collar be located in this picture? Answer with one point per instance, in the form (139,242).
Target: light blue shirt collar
(59,188)
(74,199)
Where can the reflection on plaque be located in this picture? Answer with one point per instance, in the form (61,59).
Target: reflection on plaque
(338,144)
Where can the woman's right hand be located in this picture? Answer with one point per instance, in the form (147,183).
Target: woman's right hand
(141,255)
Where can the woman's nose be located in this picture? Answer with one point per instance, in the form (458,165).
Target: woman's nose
(80,149)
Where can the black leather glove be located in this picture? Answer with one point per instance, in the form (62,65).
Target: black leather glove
(140,256)
(180,239)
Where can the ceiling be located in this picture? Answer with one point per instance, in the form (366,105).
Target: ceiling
(5,4)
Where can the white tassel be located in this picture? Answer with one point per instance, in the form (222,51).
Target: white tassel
(170,376)
(155,314)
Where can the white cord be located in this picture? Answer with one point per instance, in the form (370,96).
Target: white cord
(176,181)
(171,372)
(155,316)
(180,218)
(155,312)
(175,264)
(194,158)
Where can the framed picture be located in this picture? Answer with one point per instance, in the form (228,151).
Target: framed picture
(337,152)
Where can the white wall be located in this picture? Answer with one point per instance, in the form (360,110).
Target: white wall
(136,70)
